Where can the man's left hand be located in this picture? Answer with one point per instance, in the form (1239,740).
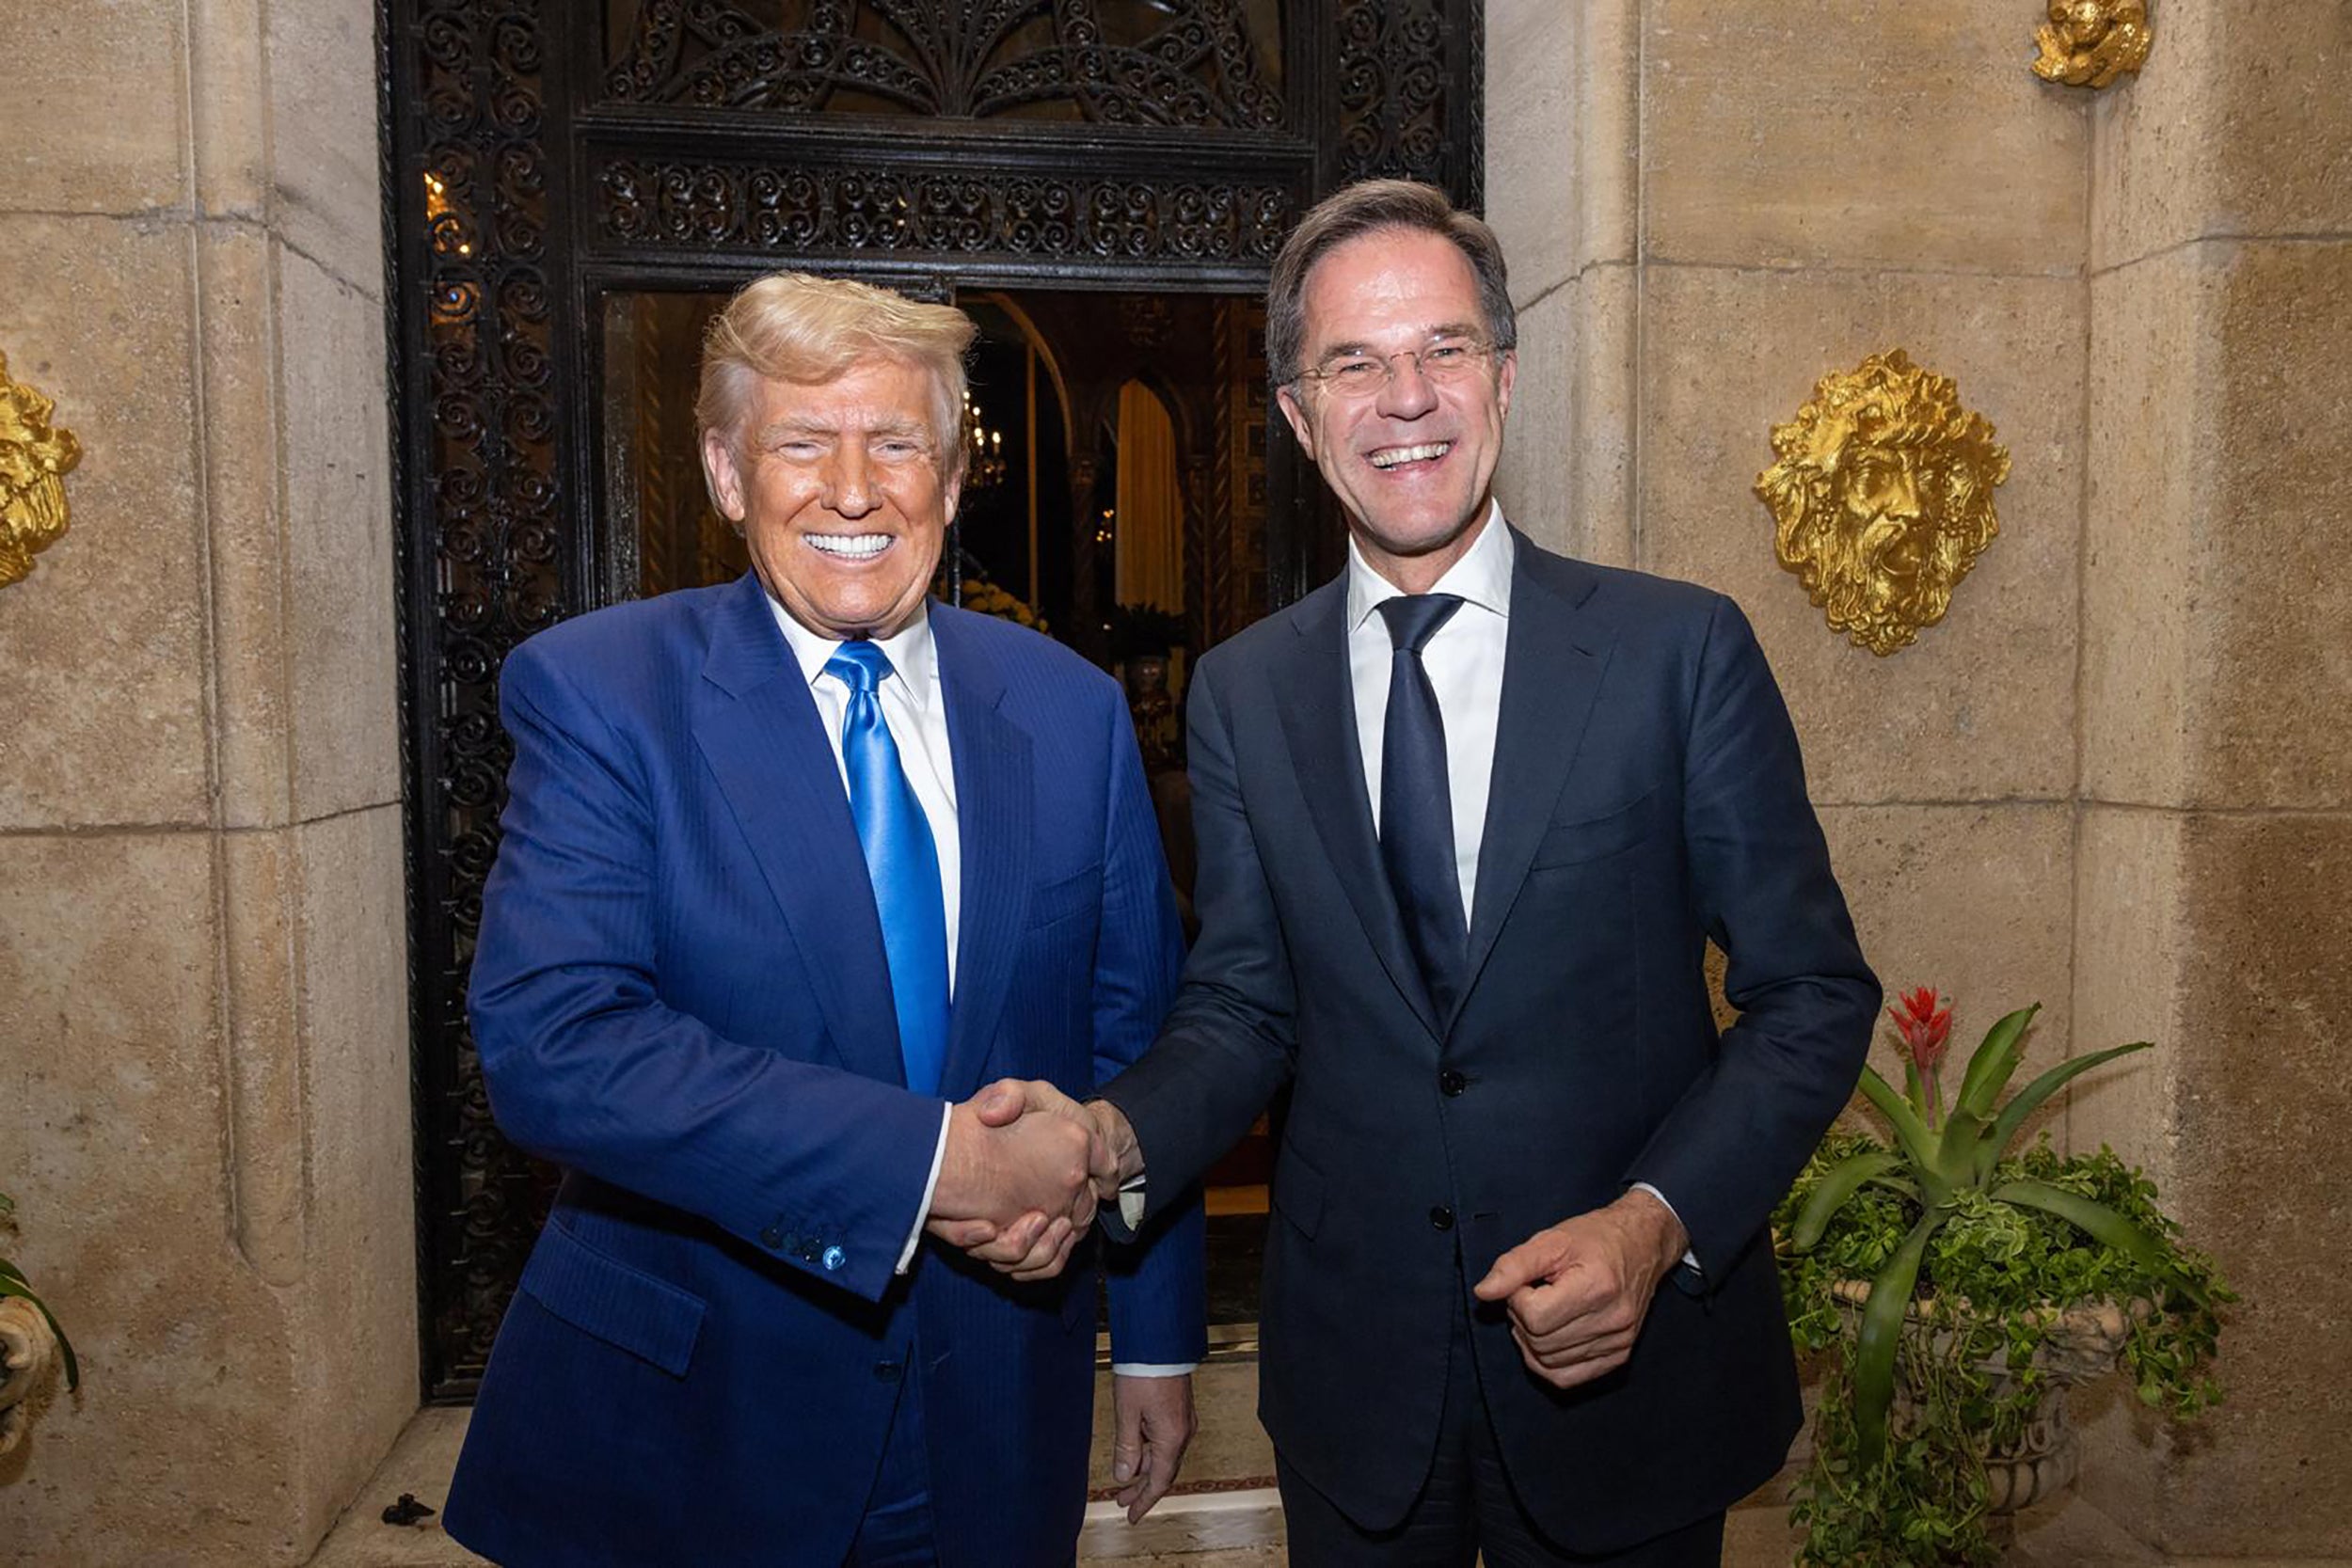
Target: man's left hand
(1154,1426)
(1579,1291)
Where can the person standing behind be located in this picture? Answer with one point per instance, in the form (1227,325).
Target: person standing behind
(790,869)
(1466,817)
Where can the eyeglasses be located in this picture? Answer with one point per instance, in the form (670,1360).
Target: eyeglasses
(1358,374)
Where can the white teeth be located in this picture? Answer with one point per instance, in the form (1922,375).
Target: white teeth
(1392,456)
(857,546)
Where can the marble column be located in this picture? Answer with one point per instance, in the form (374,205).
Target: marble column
(204,1077)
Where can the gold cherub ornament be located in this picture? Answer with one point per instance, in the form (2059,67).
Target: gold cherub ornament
(2089,43)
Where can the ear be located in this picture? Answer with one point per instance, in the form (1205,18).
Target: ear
(951,492)
(1300,426)
(1506,376)
(724,478)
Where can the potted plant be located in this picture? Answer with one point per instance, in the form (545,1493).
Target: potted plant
(30,1342)
(1960,1286)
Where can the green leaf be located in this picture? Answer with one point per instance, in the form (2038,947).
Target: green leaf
(1833,1189)
(1994,1062)
(1919,1145)
(1914,1087)
(2013,1114)
(1881,1333)
(1956,1155)
(2104,1226)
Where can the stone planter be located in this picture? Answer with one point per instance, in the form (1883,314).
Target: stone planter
(2079,1345)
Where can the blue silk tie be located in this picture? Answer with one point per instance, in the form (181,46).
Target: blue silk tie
(1416,801)
(902,863)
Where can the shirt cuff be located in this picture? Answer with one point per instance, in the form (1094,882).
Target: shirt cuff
(1690,1259)
(939,1157)
(1131,1206)
(1154,1369)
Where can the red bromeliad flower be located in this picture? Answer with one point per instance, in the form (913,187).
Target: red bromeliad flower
(1925,1030)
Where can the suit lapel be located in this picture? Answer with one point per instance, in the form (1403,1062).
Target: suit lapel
(1316,694)
(1551,675)
(759,730)
(995,801)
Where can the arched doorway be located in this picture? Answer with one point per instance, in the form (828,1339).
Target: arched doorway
(564,180)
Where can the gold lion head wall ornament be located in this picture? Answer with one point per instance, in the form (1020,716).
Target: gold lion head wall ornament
(35,457)
(1883,497)
(2089,43)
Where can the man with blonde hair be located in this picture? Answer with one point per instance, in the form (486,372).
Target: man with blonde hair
(790,869)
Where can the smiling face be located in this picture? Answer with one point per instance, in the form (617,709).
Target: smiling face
(839,489)
(1413,460)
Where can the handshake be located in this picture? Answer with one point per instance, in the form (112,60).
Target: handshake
(1024,1168)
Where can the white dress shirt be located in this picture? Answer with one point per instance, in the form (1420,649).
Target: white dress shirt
(916,711)
(1464,658)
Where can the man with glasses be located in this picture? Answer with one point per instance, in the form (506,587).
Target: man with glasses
(1466,817)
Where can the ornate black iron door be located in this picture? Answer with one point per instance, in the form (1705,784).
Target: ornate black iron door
(542,154)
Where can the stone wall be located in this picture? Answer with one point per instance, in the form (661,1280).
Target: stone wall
(204,1078)
(2110,779)
(2217,779)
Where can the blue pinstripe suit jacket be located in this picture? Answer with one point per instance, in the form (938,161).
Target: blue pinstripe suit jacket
(679,995)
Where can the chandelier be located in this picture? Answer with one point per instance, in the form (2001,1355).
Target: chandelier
(984,449)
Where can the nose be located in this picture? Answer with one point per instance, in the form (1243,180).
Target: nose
(1408,394)
(1903,496)
(850,481)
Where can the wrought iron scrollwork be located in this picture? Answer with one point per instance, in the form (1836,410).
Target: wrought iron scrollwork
(1185,62)
(482,453)
(1393,89)
(707,204)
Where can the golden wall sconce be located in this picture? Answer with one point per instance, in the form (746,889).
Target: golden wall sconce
(1882,496)
(2089,43)
(35,457)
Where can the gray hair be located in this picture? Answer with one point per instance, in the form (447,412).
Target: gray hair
(1362,209)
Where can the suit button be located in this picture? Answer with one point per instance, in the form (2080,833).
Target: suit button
(1441,1218)
(834,1258)
(771,1239)
(1451,1083)
(886,1372)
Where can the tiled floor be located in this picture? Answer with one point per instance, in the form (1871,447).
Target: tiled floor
(1240,1527)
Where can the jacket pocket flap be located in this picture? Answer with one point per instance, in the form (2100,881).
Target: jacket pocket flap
(1069,895)
(1594,838)
(1298,1190)
(594,1291)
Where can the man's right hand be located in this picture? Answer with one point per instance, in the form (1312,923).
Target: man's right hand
(1017,1185)
(1037,1244)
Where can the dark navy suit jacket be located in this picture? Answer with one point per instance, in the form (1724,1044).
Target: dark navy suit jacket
(680,996)
(1648,794)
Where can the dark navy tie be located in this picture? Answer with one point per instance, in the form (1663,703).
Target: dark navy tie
(1417,805)
(902,863)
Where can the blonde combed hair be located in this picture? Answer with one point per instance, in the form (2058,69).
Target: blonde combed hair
(793,327)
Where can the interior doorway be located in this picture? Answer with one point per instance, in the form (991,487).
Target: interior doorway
(1115,498)
(568,189)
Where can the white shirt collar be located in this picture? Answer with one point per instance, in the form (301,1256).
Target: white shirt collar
(1482,577)
(911,652)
